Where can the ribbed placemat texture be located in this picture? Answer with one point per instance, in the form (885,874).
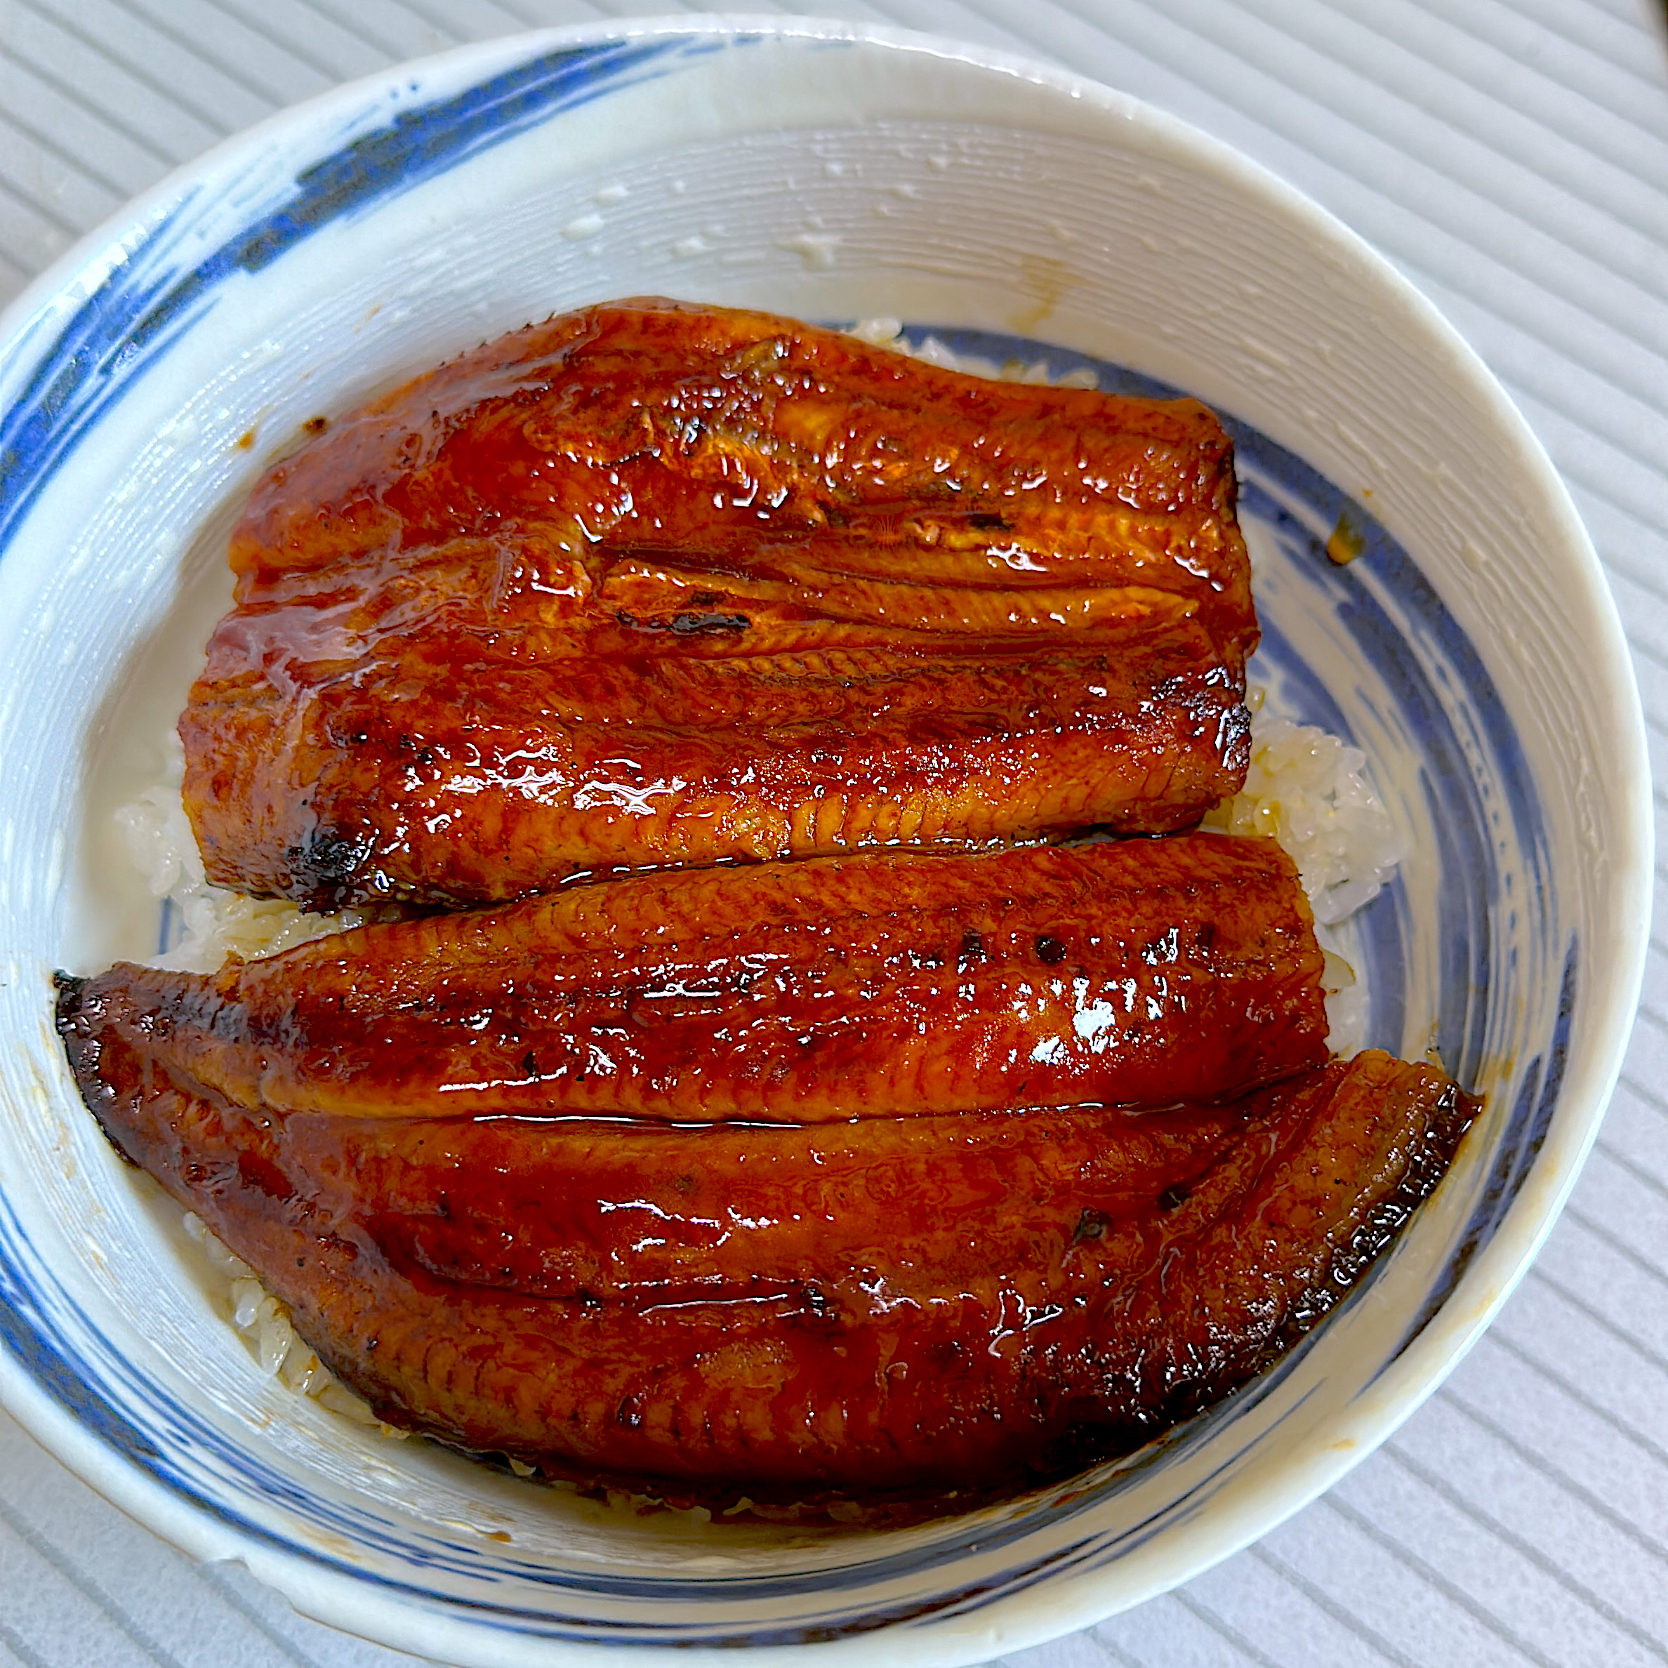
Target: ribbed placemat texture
(1511,156)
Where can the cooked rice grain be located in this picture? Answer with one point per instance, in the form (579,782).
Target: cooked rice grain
(1307,789)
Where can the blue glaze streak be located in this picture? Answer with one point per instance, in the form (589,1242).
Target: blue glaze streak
(1525,1135)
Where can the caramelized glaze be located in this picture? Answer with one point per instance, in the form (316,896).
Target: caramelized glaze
(1133,973)
(887,1308)
(655,584)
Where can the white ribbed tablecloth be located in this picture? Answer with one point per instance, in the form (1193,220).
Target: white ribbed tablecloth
(1510,156)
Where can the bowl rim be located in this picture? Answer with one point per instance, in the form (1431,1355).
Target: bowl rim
(348,1602)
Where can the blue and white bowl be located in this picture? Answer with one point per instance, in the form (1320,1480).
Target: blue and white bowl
(833,173)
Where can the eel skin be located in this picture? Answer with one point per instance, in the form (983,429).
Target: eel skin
(654,584)
(879,1310)
(1130,972)
(695,1275)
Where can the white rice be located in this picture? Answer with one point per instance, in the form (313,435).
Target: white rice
(265,1324)
(1305,787)
(203,924)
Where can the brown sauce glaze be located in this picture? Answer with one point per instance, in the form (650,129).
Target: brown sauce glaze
(655,584)
(1132,973)
(857,1336)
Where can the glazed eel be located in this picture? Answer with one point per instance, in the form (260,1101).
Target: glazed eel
(652,584)
(654,1218)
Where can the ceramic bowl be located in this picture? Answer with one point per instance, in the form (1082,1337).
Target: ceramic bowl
(1468,645)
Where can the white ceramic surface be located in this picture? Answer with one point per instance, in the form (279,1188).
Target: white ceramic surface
(1471,648)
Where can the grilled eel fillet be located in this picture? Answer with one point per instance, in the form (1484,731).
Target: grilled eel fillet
(869,1281)
(883,1308)
(1132,973)
(652,584)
